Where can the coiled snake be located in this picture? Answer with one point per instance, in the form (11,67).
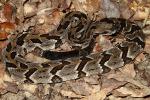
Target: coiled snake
(80,32)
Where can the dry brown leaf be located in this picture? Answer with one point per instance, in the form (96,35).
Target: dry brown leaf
(110,9)
(70,94)
(47,23)
(147,46)
(8,11)
(141,14)
(11,87)
(126,72)
(143,71)
(3,77)
(89,6)
(134,90)
(139,58)
(141,11)
(97,48)
(7,27)
(107,86)
(83,88)
(2,45)
(3,35)
(29,10)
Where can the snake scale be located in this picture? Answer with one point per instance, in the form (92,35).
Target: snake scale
(80,32)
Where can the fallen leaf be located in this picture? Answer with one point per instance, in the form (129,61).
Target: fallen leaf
(110,9)
(125,73)
(7,27)
(8,11)
(3,36)
(135,91)
(107,86)
(12,87)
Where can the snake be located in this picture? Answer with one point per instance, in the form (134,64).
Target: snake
(80,33)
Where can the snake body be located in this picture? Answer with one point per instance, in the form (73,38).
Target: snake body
(80,32)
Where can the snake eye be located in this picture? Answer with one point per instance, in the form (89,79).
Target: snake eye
(75,21)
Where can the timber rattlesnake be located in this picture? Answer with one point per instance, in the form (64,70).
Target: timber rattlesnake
(80,32)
